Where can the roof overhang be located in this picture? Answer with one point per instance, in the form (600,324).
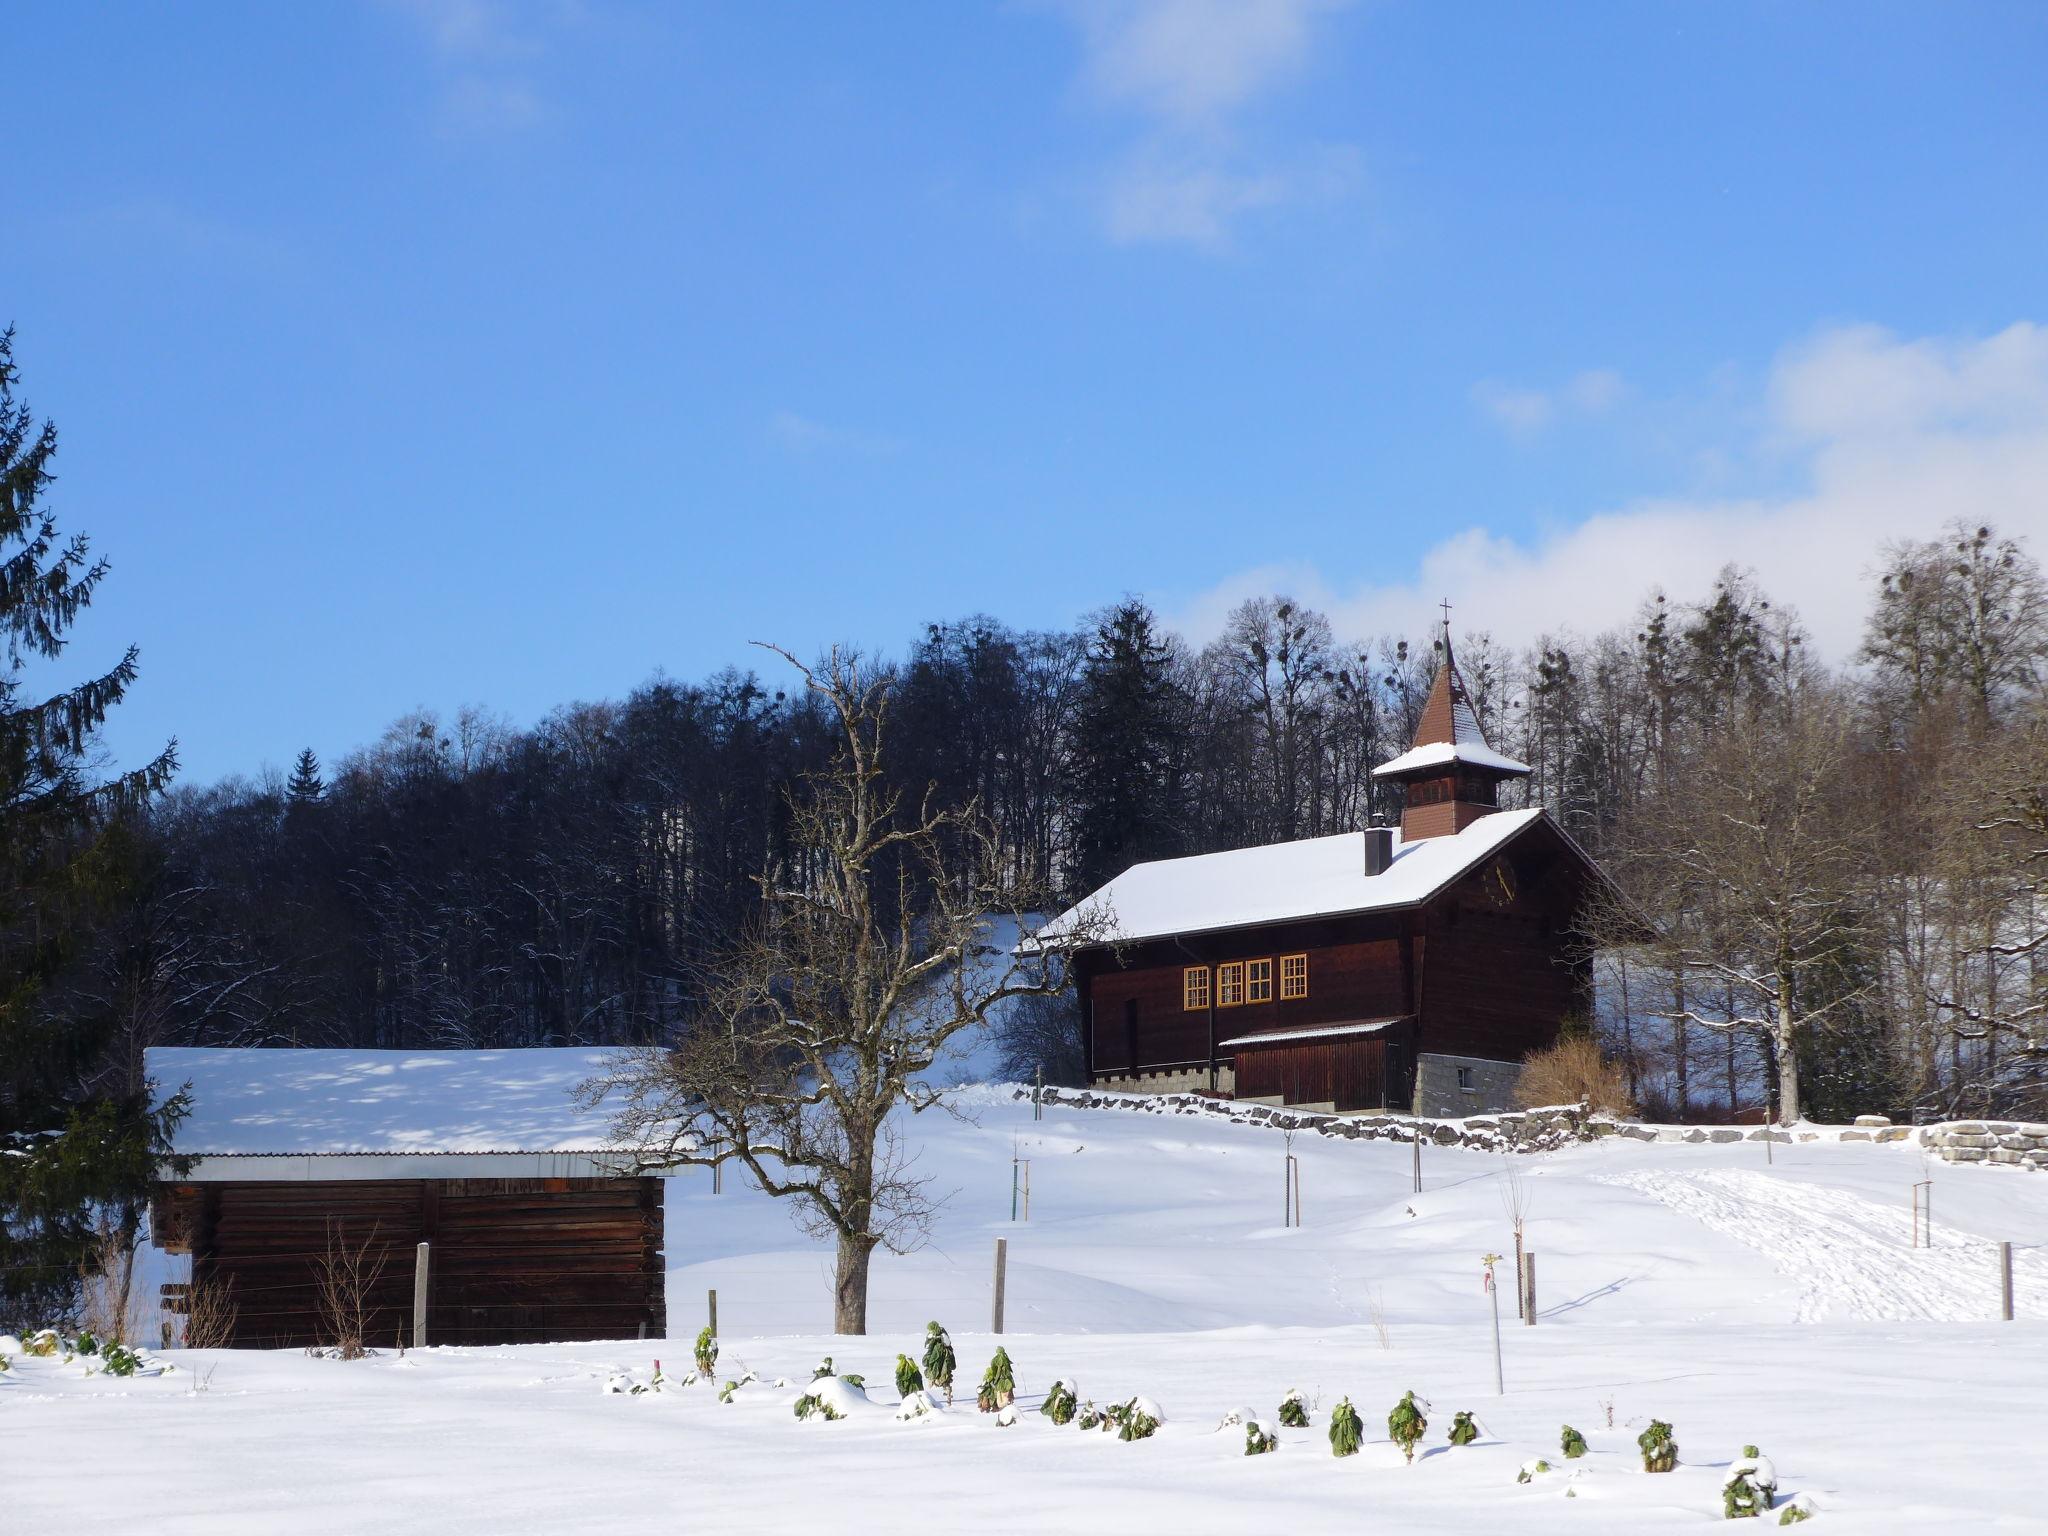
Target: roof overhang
(1317,1032)
(331,1167)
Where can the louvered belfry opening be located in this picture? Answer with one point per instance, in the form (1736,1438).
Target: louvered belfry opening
(1450,776)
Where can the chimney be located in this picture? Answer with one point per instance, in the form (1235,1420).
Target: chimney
(1379,850)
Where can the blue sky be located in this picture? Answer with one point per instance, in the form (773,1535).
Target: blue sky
(462,352)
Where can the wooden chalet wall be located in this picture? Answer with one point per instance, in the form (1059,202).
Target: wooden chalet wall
(1358,968)
(513,1261)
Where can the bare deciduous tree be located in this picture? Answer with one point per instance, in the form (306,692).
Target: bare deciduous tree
(876,944)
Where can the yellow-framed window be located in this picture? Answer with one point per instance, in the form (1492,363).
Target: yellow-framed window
(1258,981)
(1194,987)
(1230,984)
(1293,976)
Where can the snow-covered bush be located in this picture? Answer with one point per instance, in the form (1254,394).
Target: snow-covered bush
(44,1343)
(1006,1415)
(1660,1450)
(1463,1430)
(727,1392)
(823,1369)
(120,1360)
(1749,1487)
(939,1363)
(1088,1416)
(1532,1469)
(707,1352)
(857,1380)
(998,1383)
(1259,1438)
(1346,1432)
(1139,1419)
(919,1405)
(909,1378)
(812,1404)
(618,1384)
(1572,1443)
(9,1345)
(1406,1425)
(1795,1512)
(1294,1410)
(1060,1403)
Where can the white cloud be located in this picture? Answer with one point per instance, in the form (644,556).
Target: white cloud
(802,437)
(1190,69)
(487,51)
(1892,439)
(1525,412)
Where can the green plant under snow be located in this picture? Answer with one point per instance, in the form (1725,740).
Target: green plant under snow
(1660,1450)
(1346,1432)
(1406,1425)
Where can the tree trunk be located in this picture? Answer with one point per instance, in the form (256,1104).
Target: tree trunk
(850,1284)
(1788,1067)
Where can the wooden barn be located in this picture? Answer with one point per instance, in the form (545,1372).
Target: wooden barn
(1407,969)
(537,1227)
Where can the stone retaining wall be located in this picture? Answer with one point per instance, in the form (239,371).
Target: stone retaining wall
(2001,1143)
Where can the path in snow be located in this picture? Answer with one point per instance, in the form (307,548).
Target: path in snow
(1846,1251)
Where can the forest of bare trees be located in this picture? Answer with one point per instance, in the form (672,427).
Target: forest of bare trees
(1846,861)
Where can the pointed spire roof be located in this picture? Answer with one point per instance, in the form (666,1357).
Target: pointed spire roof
(1448,731)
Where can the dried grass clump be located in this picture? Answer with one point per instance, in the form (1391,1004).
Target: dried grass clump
(1574,1072)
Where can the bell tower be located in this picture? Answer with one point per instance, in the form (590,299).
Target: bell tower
(1450,776)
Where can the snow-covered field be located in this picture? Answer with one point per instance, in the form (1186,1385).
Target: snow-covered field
(1775,1304)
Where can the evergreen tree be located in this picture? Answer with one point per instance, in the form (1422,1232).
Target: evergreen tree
(305,786)
(1123,790)
(78,1144)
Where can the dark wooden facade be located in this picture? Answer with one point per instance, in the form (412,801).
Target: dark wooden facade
(512,1261)
(1485,968)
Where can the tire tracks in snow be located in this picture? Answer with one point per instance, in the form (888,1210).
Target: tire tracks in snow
(1843,1249)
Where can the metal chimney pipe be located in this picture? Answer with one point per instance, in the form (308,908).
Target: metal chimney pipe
(1379,849)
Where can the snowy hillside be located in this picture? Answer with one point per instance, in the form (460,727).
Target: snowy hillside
(1744,1302)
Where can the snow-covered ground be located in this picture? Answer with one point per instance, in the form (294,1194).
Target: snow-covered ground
(1777,1304)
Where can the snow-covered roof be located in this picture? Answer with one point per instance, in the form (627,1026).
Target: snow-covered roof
(1439,754)
(1280,882)
(1316,1032)
(331,1103)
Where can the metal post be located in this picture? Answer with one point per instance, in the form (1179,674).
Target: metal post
(1027,1189)
(1038,1094)
(1529,1288)
(419,1298)
(1521,1301)
(1418,1156)
(713,1299)
(1013,1186)
(1002,1264)
(2005,1282)
(1493,1292)
(718,1177)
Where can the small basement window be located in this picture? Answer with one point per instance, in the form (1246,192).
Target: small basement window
(1230,984)
(1465,1080)
(1194,987)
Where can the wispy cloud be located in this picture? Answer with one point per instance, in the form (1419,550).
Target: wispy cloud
(487,53)
(1524,412)
(1189,70)
(802,437)
(1888,438)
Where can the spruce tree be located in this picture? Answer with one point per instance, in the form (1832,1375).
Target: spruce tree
(305,786)
(1123,784)
(79,1144)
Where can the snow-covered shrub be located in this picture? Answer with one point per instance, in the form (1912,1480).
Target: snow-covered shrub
(1660,1450)
(1294,1410)
(707,1352)
(909,1378)
(812,1404)
(120,1360)
(1795,1512)
(858,1381)
(618,1384)
(1572,1443)
(1060,1403)
(44,1343)
(1259,1438)
(998,1383)
(1406,1425)
(939,1363)
(727,1392)
(1006,1415)
(919,1405)
(823,1369)
(9,1345)
(1139,1419)
(1463,1430)
(1346,1432)
(1532,1469)
(1749,1487)
(1088,1416)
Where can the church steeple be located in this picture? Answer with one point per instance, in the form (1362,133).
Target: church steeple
(1451,776)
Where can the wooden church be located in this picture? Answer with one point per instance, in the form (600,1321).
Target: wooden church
(1407,970)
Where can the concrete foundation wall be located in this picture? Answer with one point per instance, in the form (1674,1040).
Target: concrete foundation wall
(1439,1096)
(1188,1080)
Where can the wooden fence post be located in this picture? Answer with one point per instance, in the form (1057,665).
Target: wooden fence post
(1529,1288)
(419,1298)
(712,1298)
(1002,1264)
(2005,1281)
